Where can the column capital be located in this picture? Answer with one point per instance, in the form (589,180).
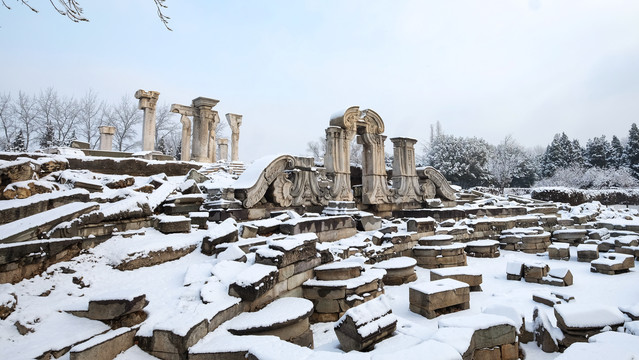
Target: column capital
(182,109)
(235,121)
(148,99)
(204,102)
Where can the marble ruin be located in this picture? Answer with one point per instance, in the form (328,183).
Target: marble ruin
(251,268)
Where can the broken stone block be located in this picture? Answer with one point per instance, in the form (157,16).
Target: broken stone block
(483,248)
(154,257)
(587,252)
(287,251)
(514,270)
(559,251)
(547,336)
(534,272)
(546,299)
(466,274)
(199,218)
(119,182)
(400,270)
(25,189)
(365,325)
(104,347)
(421,226)
(232,253)
(327,228)
(368,222)
(14,171)
(436,240)
(197,176)
(225,232)
(168,224)
(286,318)
(8,303)
(431,299)
(109,309)
(581,321)
(558,277)
(613,263)
(492,335)
(570,236)
(249,231)
(40,203)
(254,282)
(432,257)
(340,270)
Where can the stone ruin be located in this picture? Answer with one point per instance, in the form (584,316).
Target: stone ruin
(299,240)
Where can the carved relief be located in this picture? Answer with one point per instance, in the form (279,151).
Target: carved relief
(442,187)
(255,193)
(279,192)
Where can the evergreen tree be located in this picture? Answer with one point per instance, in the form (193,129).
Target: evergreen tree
(559,154)
(632,151)
(597,152)
(616,158)
(18,144)
(48,137)
(162,147)
(577,153)
(178,152)
(462,160)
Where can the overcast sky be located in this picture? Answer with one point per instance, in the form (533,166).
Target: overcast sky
(485,68)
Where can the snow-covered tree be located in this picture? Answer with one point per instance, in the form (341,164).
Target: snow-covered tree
(7,121)
(616,157)
(91,115)
(26,116)
(597,151)
(632,150)
(559,154)
(505,162)
(577,153)
(47,139)
(462,160)
(18,144)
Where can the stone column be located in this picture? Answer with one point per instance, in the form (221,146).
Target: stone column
(374,178)
(223,145)
(212,141)
(235,121)
(148,101)
(106,137)
(185,112)
(202,118)
(337,163)
(405,180)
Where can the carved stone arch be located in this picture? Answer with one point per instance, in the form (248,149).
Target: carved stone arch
(374,122)
(348,120)
(253,194)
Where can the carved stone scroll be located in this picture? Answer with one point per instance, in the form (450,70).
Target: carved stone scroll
(442,187)
(252,195)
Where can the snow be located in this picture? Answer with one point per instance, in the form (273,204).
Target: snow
(293,241)
(251,175)
(442,247)
(558,272)
(476,322)
(16,203)
(196,273)
(608,345)
(438,286)
(507,311)
(459,338)
(441,237)
(254,273)
(514,267)
(279,311)
(611,259)
(457,270)
(232,252)
(366,277)
(339,265)
(633,309)
(588,315)
(224,228)
(559,246)
(587,247)
(484,242)
(396,263)
(96,340)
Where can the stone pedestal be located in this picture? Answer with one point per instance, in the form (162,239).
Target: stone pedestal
(148,102)
(223,149)
(235,121)
(439,297)
(106,137)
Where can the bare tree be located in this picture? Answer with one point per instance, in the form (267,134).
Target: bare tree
(72,10)
(26,112)
(125,116)
(7,120)
(317,149)
(91,116)
(65,119)
(166,125)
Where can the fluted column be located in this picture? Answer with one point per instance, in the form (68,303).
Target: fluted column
(148,102)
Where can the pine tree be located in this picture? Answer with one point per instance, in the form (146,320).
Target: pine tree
(632,151)
(559,154)
(178,152)
(162,147)
(597,152)
(616,158)
(48,138)
(18,144)
(577,153)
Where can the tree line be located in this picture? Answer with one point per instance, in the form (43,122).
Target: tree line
(472,161)
(48,119)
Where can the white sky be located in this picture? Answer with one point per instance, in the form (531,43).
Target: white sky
(484,68)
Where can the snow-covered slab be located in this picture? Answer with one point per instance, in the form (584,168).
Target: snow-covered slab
(607,345)
(476,322)
(30,227)
(20,208)
(263,347)
(279,313)
(438,286)
(457,270)
(436,350)
(631,310)
(254,282)
(587,316)
(104,346)
(396,263)
(363,326)
(442,247)
(490,330)
(366,277)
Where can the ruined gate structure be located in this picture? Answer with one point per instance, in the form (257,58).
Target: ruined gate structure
(293,181)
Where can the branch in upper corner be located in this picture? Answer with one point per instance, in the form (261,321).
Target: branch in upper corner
(72,10)
(159,4)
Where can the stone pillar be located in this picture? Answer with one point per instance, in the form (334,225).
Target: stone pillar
(405,180)
(212,141)
(203,118)
(148,101)
(223,145)
(106,137)
(374,178)
(185,112)
(337,163)
(235,121)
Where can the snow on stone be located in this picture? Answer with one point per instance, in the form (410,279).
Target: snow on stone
(366,277)
(251,175)
(559,246)
(441,247)
(227,271)
(370,316)
(507,311)
(558,272)
(514,267)
(607,345)
(429,349)
(158,196)
(339,265)
(438,286)
(197,273)
(232,252)
(611,259)
(253,274)
(16,203)
(277,312)
(587,247)
(224,228)
(589,315)
(396,263)
(135,353)
(476,322)
(456,270)
(484,242)
(291,242)
(632,327)
(632,309)
(459,338)
(99,339)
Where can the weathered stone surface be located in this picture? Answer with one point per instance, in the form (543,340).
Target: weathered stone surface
(226,232)
(110,309)
(483,248)
(613,263)
(439,297)
(104,347)
(8,306)
(559,251)
(421,225)
(155,258)
(327,228)
(463,273)
(587,252)
(338,271)
(132,167)
(40,203)
(287,251)
(172,224)
(534,272)
(353,330)
(400,270)
(544,331)
(254,282)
